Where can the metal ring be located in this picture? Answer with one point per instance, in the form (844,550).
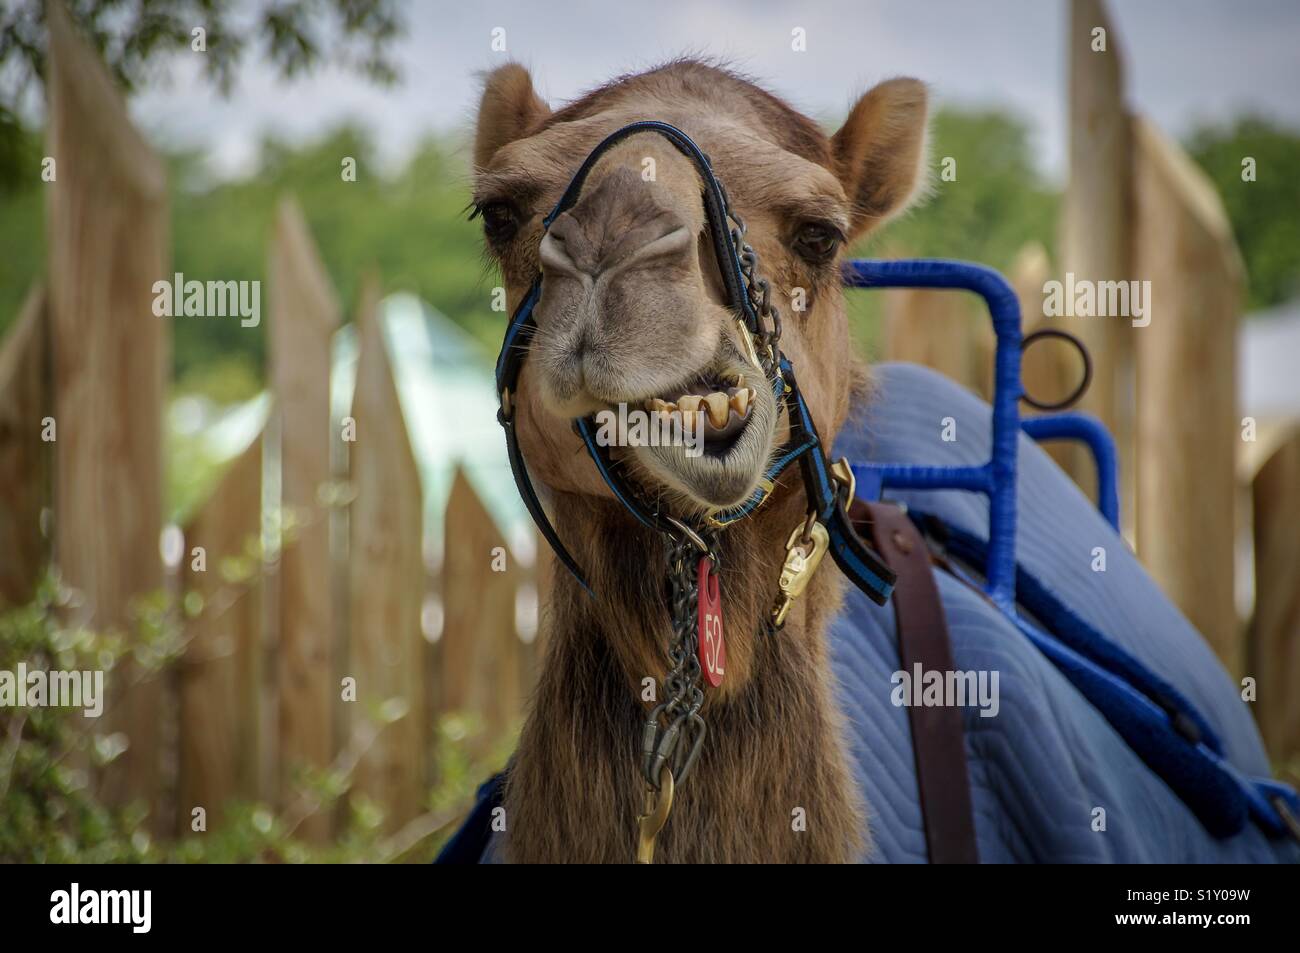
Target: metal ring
(689,533)
(808,525)
(1087,368)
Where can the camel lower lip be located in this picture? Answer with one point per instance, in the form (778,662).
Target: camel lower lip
(730,467)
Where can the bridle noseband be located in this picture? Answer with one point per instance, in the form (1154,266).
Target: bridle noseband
(674,731)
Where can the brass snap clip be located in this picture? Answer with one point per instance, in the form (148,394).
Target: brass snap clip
(803,554)
(658,804)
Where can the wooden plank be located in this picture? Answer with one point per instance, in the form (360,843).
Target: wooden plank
(1188,427)
(219,739)
(25,401)
(387,577)
(1048,369)
(479,646)
(1096,227)
(304,313)
(934,328)
(1273,656)
(540,576)
(107,236)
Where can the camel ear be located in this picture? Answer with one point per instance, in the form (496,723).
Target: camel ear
(509,108)
(880,152)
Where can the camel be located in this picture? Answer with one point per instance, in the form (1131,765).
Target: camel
(633,313)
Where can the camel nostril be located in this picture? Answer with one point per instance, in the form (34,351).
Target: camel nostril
(558,257)
(672,242)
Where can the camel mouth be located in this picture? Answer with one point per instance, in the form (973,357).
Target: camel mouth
(727,425)
(714,408)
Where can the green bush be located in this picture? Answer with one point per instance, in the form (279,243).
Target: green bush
(51,812)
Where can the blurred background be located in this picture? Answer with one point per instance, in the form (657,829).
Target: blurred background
(295,543)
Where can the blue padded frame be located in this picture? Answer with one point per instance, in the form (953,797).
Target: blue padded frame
(1094,435)
(996,478)
(1189,761)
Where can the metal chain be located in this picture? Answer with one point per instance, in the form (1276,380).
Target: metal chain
(757,289)
(674,731)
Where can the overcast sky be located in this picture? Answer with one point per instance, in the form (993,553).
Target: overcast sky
(1187,61)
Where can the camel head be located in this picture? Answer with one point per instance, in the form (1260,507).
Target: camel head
(633,311)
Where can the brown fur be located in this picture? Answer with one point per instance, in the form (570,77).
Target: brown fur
(775,739)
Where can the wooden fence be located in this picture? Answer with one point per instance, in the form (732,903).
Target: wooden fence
(310,646)
(1136,207)
(303,579)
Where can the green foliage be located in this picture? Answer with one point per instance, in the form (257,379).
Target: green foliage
(132,37)
(22,215)
(51,812)
(997,203)
(410,226)
(1265,213)
(48,810)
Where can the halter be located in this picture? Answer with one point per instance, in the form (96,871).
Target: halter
(674,730)
(748,295)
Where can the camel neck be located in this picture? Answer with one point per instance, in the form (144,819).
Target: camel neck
(772,782)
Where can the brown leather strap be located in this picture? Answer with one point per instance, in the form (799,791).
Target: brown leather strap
(937,735)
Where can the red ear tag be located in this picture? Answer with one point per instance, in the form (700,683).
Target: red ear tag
(712,649)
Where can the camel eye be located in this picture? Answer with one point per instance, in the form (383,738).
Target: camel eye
(817,242)
(500,221)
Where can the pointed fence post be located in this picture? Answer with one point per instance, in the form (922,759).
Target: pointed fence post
(1188,428)
(107,233)
(25,410)
(304,315)
(480,648)
(220,673)
(1273,654)
(1096,230)
(387,577)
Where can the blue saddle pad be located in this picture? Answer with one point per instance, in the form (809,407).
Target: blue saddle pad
(1047,761)
(1045,767)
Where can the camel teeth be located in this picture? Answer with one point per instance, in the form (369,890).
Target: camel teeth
(719,409)
(740,381)
(740,401)
(654,404)
(688,403)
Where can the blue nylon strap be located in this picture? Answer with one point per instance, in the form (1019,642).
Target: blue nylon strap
(856,559)
(519,332)
(853,556)
(509,363)
(715,206)
(1156,720)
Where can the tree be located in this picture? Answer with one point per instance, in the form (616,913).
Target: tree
(986,200)
(1253,163)
(132,36)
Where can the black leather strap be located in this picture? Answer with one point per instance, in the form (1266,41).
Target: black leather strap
(852,555)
